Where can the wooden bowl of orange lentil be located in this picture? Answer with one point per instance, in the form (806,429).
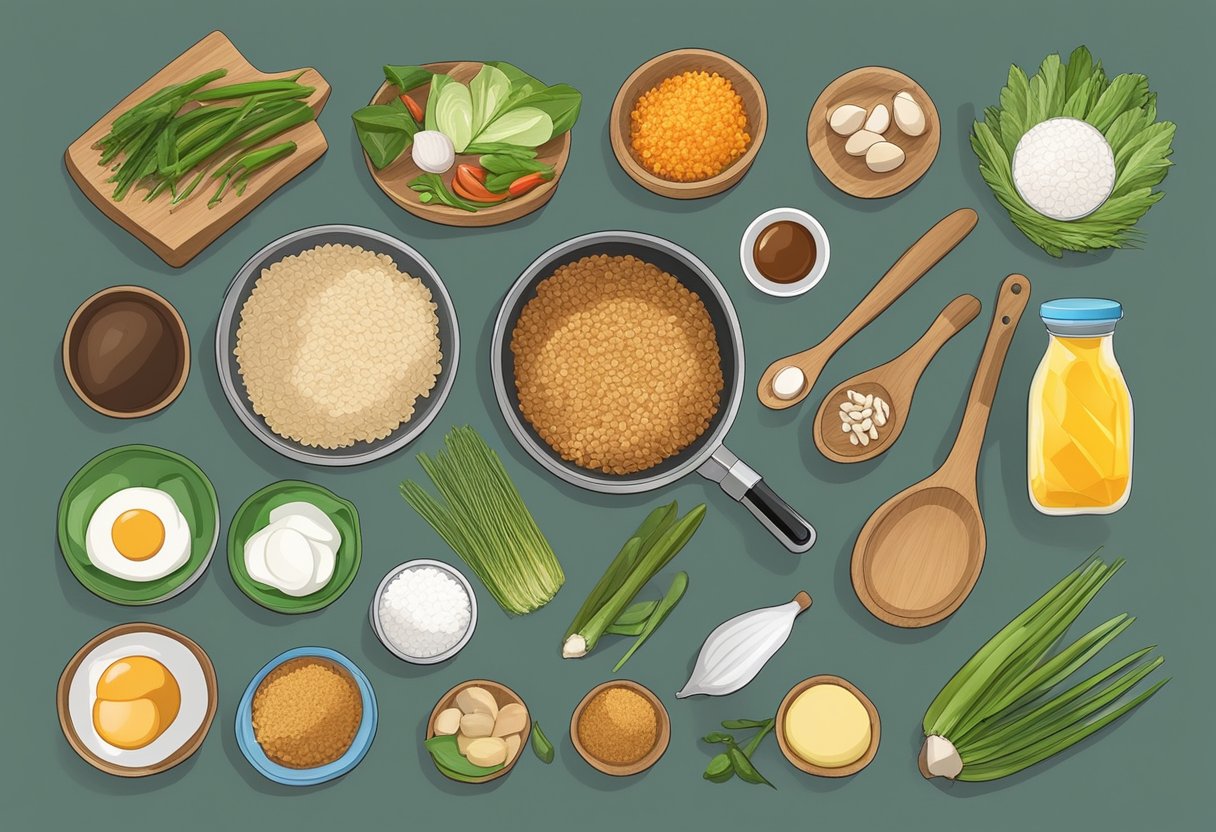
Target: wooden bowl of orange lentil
(688,123)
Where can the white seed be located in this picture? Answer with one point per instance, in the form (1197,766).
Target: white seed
(844,417)
(879,418)
(869,400)
(846,119)
(846,428)
(881,157)
(908,115)
(879,120)
(857,397)
(867,424)
(860,142)
(853,439)
(873,433)
(867,413)
(865,438)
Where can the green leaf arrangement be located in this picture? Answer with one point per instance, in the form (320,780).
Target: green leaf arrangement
(1004,711)
(1123,109)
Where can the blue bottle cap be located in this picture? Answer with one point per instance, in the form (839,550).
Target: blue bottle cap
(1087,310)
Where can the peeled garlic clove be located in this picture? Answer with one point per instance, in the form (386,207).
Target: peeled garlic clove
(908,115)
(860,142)
(448,721)
(846,119)
(882,157)
(487,751)
(879,120)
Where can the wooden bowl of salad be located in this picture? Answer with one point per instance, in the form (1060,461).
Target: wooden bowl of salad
(518,180)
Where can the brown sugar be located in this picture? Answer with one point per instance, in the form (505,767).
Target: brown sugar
(616,364)
(618,726)
(306,712)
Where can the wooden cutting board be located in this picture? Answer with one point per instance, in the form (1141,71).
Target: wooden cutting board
(178,236)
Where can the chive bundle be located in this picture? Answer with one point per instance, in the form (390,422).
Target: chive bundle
(484,520)
(992,720)
(158,145)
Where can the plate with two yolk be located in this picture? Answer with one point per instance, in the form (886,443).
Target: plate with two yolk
(137,699)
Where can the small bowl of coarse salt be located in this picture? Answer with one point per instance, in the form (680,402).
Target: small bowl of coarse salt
(424,611)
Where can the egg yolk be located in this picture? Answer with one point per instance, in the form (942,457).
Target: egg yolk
(137,699)
(138,534)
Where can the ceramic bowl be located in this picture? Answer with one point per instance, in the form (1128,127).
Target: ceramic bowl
(823,252)
(373,612)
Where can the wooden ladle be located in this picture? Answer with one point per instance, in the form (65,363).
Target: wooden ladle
(894,382)
(923,255)
(920,553)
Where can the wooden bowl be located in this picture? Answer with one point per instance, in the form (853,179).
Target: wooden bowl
(503,695)
(164,311)
(823,771)
(654,72)
(395,178)
(63,690)
(651,757)
(867,87)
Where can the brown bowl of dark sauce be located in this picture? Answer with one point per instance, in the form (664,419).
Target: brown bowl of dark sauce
(126,352)
(784,252)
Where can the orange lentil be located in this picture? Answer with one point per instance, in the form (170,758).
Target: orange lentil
(690,127)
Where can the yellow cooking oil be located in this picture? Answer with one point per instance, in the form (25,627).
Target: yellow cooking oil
(1080,419)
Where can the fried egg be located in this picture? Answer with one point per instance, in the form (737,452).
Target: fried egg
(296,551)
(138,534)
(137,698)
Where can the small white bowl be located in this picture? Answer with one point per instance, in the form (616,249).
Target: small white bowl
(378,629)
(823,252)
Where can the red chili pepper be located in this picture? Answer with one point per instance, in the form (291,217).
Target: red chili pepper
(468,183)
(412,106)
(524,184)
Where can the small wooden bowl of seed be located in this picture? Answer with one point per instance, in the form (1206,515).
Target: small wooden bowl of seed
(477,731)
(664,99)
(620,728)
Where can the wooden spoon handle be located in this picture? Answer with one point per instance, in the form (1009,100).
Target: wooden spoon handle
(1011,302)
(948,323)
(912,265)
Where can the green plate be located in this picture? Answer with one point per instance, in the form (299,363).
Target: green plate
(254,514)
(130,466)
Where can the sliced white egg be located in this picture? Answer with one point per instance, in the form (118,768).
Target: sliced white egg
(296,553)
(138,534)
(309,520)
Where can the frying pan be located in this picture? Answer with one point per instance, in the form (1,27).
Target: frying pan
(708,455)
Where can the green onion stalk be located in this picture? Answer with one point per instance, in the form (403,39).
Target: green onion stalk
(1001,712)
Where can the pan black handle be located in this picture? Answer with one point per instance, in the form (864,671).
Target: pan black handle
(742,483)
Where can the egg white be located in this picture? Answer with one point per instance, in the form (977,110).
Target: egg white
(296,552)
(173,553)
(82,695)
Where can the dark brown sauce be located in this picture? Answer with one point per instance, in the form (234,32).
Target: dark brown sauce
(127,353)
(784,252)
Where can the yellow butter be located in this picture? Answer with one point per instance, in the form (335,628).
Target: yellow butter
(827,726)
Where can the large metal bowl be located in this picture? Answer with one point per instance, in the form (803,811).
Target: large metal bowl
(408,260)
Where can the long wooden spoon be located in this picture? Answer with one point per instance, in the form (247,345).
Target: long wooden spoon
(923,255)
(893,383)
(919,555)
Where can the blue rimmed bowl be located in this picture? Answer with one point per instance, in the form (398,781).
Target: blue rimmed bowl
(306,776)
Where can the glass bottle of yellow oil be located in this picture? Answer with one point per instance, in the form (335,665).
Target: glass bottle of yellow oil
(1080,422)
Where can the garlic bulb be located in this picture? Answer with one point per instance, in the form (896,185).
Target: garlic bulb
(433,151)
(736,651)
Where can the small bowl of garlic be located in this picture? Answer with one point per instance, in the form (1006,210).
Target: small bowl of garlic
(873,132)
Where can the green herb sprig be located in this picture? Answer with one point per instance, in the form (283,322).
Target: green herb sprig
(736,760)
(1122,108)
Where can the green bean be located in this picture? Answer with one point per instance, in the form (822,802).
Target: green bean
(744,768)
(541,745)
(238,175)
(252,88)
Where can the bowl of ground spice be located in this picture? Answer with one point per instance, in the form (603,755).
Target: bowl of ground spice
(620,728)
(688,123)
(307,717)
(126,352)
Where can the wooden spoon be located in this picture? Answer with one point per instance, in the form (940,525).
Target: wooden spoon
(920,553)
(923,255)
(894,382)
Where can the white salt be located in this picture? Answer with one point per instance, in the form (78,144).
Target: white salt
(424,611)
